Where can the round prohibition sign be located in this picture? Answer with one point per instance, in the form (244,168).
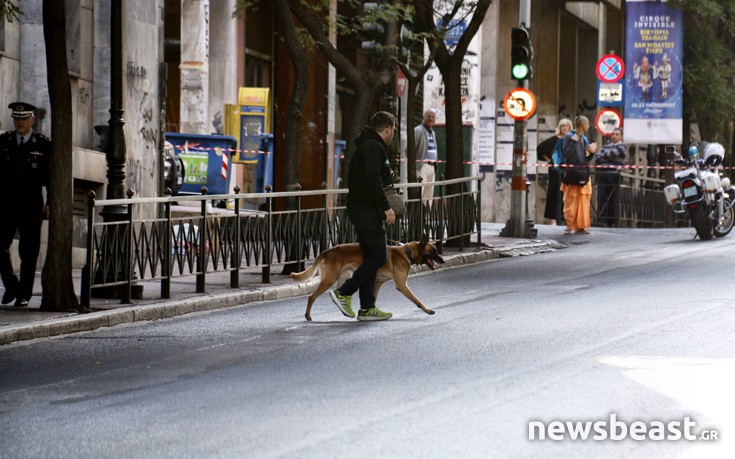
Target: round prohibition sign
(607,121)
(610,68)
(520,104)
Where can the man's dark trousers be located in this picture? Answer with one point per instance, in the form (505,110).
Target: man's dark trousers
(28,223)
(372,238)
(607,197)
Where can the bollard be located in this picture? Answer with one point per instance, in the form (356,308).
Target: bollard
(201,262)
(167,249)
(235,259)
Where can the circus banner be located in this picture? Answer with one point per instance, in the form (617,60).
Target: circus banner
(653,73)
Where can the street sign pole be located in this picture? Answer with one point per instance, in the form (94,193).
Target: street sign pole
(520,223)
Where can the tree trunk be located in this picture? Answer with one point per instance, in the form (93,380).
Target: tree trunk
(366,83)
(360,116)
(58,288)
(453,113)
(449,63)
(294,114)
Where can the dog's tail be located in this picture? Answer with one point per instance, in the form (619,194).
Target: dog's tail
(311,271)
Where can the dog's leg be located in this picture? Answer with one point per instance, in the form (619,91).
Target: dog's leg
(377,289)
(328,276)
(402,286)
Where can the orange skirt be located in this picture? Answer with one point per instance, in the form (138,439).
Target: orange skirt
(577,205)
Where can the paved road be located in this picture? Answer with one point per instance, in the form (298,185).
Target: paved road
(635,324)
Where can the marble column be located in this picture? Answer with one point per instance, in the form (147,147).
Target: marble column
(195,67)
(222,63)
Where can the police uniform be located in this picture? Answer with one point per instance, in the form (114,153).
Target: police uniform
(24,170)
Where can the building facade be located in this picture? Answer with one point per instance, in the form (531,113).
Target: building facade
(184,60)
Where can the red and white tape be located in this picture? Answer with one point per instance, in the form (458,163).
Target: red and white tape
(591,166)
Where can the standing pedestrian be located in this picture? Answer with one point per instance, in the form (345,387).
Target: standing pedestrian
(576,184)
(426,154)
(545,150)
(607,178)
(367,208)
(25,157)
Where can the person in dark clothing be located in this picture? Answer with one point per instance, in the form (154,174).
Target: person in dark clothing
(607,178)
(24,169)
(367,208)
(545,150)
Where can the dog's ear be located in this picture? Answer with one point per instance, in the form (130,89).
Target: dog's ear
(424,240)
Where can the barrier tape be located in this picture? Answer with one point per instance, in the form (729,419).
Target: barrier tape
(469,163)
(591,166)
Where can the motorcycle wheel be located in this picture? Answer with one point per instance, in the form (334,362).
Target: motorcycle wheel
(728,220)
(700,222)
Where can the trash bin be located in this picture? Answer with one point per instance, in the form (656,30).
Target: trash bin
(207,160)
(339,151)
(174,169)
(265,163)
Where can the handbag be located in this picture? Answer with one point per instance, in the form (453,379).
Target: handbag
(576,176)
(394,200)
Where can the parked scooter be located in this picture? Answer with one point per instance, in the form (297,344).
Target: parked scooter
(702,192)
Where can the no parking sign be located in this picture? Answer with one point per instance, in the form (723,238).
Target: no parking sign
(610,68)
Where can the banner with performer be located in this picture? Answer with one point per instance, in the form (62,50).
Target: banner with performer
(654,72)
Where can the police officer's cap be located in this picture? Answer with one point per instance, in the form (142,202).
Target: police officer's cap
(21,110)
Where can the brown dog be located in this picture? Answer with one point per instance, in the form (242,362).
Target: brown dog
(347,257)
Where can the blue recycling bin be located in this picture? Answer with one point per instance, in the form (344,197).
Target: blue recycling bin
(265,164)
(207,160)
(339,151)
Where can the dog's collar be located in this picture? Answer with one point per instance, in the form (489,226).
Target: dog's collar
(409,255)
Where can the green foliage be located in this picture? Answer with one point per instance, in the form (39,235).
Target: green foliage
(709,65)
(9,10)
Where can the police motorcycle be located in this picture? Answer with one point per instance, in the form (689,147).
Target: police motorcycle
(702,192)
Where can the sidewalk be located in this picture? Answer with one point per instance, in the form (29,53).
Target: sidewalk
(19,324)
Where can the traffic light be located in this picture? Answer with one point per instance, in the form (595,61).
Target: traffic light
(521,54)
(374,28)
(407,41)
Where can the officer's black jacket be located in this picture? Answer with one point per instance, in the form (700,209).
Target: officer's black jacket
(24,170)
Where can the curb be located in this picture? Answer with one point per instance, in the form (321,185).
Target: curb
(173,308)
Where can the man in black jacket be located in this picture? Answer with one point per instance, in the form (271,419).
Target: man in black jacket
(367,208)
(25,158)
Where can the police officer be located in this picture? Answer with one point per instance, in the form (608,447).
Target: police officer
(25,159)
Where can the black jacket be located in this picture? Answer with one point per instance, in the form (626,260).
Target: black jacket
(575,154)
(24,170)
(368,173)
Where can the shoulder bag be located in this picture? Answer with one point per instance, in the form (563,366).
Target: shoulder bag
(394,200)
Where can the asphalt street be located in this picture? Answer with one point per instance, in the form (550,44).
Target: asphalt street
(631,325)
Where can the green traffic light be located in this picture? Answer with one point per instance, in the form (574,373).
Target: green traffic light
(520,71)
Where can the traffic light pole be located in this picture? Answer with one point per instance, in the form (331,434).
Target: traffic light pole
(520,223)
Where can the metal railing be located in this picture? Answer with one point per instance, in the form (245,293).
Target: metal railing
(122,253)
(640,203)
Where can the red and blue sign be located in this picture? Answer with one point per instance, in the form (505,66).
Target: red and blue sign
(610,68)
